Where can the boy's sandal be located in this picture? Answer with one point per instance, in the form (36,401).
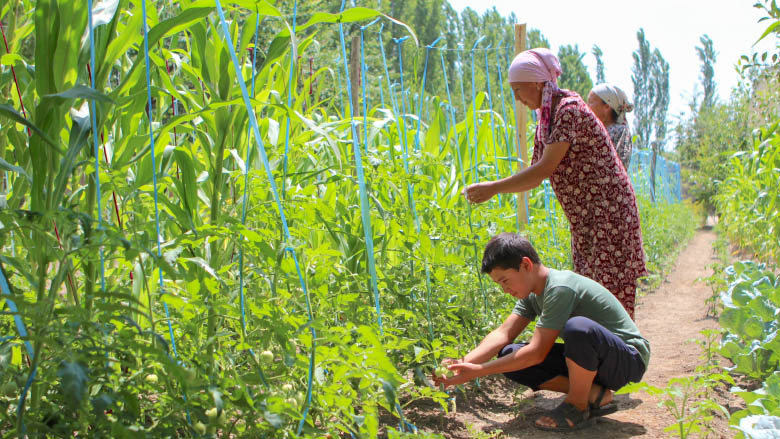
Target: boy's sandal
(562,415)
(596,409)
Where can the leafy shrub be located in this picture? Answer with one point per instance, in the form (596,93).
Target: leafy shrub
(751,305)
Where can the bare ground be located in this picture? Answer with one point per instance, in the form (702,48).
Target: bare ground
(669,317)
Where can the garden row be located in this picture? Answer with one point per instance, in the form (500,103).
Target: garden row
(176,269)
(748,203)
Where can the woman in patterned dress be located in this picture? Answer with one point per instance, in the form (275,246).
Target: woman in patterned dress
(572,148)
(610,104)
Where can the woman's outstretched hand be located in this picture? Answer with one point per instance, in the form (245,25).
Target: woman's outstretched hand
(480,192)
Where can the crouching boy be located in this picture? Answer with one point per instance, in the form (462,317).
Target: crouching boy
(602,348)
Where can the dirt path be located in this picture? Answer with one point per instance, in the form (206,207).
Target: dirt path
(669,318)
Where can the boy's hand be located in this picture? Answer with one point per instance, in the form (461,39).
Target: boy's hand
(440,375)
(464,372)
(447,361)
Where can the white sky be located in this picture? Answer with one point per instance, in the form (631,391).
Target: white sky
(672,26)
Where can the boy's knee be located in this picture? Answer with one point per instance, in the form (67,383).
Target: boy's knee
(576,329)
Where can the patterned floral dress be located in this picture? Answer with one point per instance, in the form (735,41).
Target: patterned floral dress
(596,195)
(621,140)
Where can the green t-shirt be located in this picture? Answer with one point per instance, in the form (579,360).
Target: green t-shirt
(567,294)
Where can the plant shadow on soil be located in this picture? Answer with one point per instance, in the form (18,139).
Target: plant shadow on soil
(496,410)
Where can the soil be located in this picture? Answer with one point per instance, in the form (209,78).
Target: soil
(670,317)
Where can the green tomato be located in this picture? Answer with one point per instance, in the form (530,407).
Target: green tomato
(151,378)
(199,427)
(211,414)
(292,401)
(287,387)
(442,371)
(266,357)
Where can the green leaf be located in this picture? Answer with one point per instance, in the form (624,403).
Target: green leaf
(11,59)
(216,395)
(100,404)
(349,16)
(78,92)
(103,12)
(14,115)
(771,28)
(4,165)
(732,319)
(274,419)
(762,308)
(390,394)
(188,181)
(79,136)
(138,276)
(16,355)
(206,267)
(73,382)
(173,301)
(276,50)
(180,22)
(119,46)
(261,7)
(753,327)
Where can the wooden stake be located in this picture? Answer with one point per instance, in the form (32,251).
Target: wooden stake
(354,75)
(521,120)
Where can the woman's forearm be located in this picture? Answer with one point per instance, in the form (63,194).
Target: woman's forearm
(523,181)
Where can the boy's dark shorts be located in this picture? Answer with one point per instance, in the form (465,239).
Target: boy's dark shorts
(592,347)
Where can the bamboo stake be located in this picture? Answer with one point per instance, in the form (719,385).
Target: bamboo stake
(521,120)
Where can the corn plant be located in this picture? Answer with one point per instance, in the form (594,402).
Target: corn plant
(748,199)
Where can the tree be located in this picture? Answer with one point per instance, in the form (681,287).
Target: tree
(660,107)
(575,75)
(536,39)
(599,64)
(707,56)
(650,75)
(644,92)
(705,141)
(661,103)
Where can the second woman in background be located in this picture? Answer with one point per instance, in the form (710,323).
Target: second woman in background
(610,104)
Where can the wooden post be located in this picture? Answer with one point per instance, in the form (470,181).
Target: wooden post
(521,120)
(354,75)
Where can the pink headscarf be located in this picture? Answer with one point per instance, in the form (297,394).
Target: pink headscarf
(535,65)
(539,65)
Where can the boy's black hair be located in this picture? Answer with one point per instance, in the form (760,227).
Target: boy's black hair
(506,251)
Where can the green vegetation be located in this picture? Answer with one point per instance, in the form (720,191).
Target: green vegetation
(749,200)
(228,320)
(575,75)
(736,172)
